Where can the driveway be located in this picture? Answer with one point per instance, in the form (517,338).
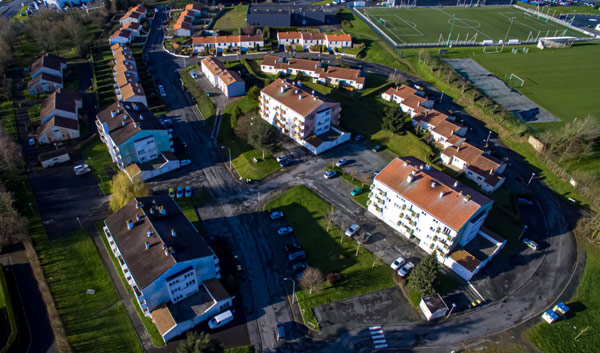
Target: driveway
(63,198)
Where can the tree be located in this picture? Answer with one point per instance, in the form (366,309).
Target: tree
(396,79)
(423,276)
(262,136)
(13,227)
(124,190)
(199,343)
(243,125)
(253,93)
(393,119)
(329,217)
(570,141)
(10,154)
(311,279)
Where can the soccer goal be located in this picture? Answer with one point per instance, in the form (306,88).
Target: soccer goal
(516,79)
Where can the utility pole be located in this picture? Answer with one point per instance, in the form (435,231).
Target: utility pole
(451,28)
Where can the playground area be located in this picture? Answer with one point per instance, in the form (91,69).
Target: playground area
(448,25)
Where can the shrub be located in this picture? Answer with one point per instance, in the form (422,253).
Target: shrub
(334,277)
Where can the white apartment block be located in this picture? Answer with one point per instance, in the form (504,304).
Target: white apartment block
(307,117)
(228,81)
(172,271)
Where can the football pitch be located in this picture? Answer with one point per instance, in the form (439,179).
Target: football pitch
(433,25)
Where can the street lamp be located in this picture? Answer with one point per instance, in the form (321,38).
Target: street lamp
(79,221)
(488,138)
(522,232)
(32,210)
(530,179)
(293,288)
(453,306)
(229,149)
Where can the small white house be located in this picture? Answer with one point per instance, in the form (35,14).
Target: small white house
(433,307)
(53,157)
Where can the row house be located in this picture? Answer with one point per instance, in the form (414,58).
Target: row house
(127,86)
(307,40)
(46,74)
(134,14)
(308,118)
(172,272)
(443,128)
(59,117)
(412,101)
(477,164)
(425,204)
(221,43)
(228,81)
(333,75)
(184,25)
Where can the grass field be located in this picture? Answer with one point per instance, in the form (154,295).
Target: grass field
(305,212)
(233,19)
(471,24)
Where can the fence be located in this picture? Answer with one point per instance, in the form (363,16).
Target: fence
(556,20)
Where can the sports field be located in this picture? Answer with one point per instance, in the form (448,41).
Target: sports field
(433,25)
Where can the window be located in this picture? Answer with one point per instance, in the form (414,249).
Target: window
(447,231)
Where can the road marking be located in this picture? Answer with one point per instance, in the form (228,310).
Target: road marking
(373,328)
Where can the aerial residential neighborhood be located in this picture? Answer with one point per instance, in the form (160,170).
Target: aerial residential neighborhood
(310,176)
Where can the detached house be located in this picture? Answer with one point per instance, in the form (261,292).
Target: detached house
(134,14)
(136,140)
(443,128)
(184,25)
(59,116)
(121,36)
(412,101)
(445,216)
(44,83)
(477,164)
(173,273)
(307,117)
(228,81)
(46,74)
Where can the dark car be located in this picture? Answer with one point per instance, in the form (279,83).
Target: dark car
(291,248)
(377,148)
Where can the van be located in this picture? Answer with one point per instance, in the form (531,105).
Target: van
(220,320)
(280,331)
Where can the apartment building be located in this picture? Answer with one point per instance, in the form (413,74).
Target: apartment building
(477,164)
(443,128)
(136,140)
(308,40)
(412,101)
(228,81)
(307,117)
(173,273)
(333,75)
(221,43)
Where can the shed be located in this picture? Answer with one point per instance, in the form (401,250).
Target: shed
(54,157)
(433,306)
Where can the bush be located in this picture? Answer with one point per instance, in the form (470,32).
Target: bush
(334,277)
(253,93)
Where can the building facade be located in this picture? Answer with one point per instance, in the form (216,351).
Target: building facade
(307,117)
(172,271)
(412,101)
(308,40)
(228,81)
(218,44)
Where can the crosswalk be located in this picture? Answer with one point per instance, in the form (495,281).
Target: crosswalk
(378,337)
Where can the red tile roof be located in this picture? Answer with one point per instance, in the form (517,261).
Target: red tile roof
(290,97)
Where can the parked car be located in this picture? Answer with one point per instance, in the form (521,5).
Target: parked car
(293,247)
(82,171)
(276,215)
(220,320)
(377,148)
(299,269)
(341,162)
(359,138)
(356,191)
(329,174)
(530,243)
(185,162)
(180,192)
(80,166)
(404,270)
(188,191)
(397,263)
(524,201)
(280,331)
(193,74)
(171,192)
(31,142)
(167,122)
(161,89)
(284,230)
(238,263)
(281,158)
(352,230)
(297,256)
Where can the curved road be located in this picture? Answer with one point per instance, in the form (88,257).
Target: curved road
(543,276)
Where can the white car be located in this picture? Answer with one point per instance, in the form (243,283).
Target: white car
(284,230)
(193,74)
(161,89)
(404,270)
(397,263)
(352,230)
(281,158)
(341,162)
(530,243)
(220,320)
(80,166)
(82,171)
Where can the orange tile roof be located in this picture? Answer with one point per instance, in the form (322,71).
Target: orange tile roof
(313,36)
(132,25)
(305,105)
(432,117)
(479,162)
(131,90)
(194,7)
(214,65)
(465,259)
(453,208)
(227,39)
(125,33)
(163,319)
(446,128)
(289,35)
(342,73)
(339,37)
(229,77)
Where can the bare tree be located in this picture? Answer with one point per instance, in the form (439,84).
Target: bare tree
(486,101)
(396,79)
(10,154)
(329,217)
(13,227)
(463,85)
(311,279)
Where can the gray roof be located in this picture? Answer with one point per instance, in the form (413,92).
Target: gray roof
(144,264)
(136,116)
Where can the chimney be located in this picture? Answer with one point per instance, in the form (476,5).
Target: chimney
(413,173)
(129,224)
(406,163)
(149,234)
(162,209)
(491,171)
(467,198)
(455,183)
(113,113)
(124,122)
(152,210)
(441,194)
(147,245)
(421,167)
(138,205)
(135,106)
(313,92)
(299,97)
(173,233)
(295,91)
(282,89)
(138,217)
(433,184)
(427,167)
(169,251)
(409,179)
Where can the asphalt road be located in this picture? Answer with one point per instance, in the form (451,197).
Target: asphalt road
(233,213)
(10,9)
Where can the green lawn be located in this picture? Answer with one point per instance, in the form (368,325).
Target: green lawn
(557,10)
(97,157)
(151,328)
(255,171)
(305,212)
(406,144)
(7,119)
(203,102)
(9,329)
(233,19)
(93,322)
(424,25)
(34,113)
(562,336)
(188,207)
(113,258)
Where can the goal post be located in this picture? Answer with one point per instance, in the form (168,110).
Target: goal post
(512,78)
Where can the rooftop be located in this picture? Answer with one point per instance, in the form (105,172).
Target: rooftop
(49,61)
(46,77)
(479,160)
(474,252)
(144,264)
(435,192)
(343,73)
(58,121)
(300,99)
(60,100)
(53,153)
(135,116)
(434,302)
(226,39)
